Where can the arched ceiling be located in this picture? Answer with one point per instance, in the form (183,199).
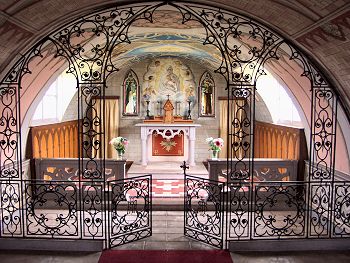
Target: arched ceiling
(320,28)
(165,42)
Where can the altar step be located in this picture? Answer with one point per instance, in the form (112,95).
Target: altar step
(167,170)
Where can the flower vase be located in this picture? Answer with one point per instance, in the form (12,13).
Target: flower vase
(119,155)
(214,154)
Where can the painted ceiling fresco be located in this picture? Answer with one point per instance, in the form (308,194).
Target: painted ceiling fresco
(167,19)
(165,36)
(152,45)
(163,39)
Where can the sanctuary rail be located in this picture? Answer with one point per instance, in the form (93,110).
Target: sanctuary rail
(68,169)
(264,169)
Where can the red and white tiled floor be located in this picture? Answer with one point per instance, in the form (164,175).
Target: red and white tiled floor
(168,188)
(167,177)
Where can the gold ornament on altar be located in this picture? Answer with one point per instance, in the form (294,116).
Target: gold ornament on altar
(168,111)
(168,145)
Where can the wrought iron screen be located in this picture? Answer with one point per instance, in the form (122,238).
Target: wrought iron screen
(314,208)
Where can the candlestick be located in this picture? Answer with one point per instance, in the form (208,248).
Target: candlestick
(159,107)
(147,110)
(189,110)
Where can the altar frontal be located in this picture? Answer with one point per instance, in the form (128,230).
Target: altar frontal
(167,147)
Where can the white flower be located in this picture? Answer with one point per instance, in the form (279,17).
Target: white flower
(119,143)
(208,140)
(215,144)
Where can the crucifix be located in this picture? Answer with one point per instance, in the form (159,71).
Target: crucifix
(184,167)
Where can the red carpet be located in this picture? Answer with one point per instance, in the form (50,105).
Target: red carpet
(170,256)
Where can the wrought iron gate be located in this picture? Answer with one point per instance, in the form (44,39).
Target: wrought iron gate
(130,210)
(204,211)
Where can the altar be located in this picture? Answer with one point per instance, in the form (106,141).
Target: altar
(168,131)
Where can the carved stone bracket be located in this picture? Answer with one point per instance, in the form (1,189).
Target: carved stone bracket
(164,132)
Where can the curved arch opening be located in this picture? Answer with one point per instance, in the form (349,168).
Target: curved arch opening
(102,47)
(144,38)
(280,105)
(53,105)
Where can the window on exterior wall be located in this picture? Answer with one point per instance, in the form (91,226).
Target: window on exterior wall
(277,100)
(54,103)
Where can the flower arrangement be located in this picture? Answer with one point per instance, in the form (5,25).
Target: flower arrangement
(215,144)
(119,143)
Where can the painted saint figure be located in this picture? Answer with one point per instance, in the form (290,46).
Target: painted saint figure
(130,97)
(207,91)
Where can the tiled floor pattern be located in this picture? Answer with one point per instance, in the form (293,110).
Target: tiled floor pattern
(167,177)
(167,188)
(166,170)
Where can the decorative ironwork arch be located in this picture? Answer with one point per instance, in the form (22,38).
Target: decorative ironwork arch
(241,65)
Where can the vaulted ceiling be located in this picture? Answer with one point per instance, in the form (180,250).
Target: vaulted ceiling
(319,27)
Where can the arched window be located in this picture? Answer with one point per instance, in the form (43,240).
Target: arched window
(54,103)
(130,94)
(207,95)
(278,101)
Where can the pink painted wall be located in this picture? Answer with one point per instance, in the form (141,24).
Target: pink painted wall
(299,86)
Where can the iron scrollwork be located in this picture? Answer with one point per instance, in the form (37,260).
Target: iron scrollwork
(130,210)
(241,132)
(204,210)
(41,219)
(341,217)
(11,217)
(93,210)
(9,132)
(91,131)
(323,134)
(280,210)
(239,211)
(130,213)
(320,206)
